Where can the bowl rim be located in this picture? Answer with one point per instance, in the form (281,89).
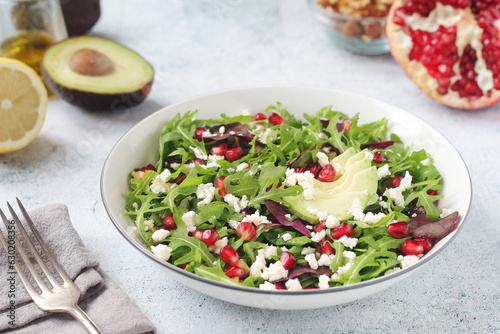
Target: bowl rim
(339,16)
(256,290)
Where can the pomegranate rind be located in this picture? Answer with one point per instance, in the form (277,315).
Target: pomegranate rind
(400,44)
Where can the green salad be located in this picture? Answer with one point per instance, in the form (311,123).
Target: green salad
(280,203)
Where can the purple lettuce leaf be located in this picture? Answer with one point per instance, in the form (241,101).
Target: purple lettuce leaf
(378,145)
(303,268)
(421,226)
(231,130)
(279,211)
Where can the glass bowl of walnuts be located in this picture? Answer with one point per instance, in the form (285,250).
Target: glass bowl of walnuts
(357,25)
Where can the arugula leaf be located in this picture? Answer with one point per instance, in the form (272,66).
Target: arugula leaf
(216,273)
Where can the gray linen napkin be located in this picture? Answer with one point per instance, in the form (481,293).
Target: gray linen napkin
(108,306)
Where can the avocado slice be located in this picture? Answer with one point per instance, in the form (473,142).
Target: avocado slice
(96,73)
(336,198)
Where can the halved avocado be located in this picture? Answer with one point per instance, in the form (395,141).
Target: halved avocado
(96,73)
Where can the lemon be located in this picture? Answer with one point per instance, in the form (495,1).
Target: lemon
(23,104)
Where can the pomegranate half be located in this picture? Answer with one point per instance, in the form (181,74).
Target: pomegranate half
(449,48)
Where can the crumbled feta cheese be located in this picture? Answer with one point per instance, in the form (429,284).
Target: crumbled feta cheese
(305,180)
(445,212)
(222,129)
(357,210)
(259,265)
(393,270)
(351,256)
(397,193)
(383,204)
(135,206)
(218,245)
(274,272)
(205,192)
(323,282)
(269,134)
(161,251)
(189,219)
(332,222)
(286,237)
(237,203)
(160,235)
(234,224)
(288,216)
(175,165)
(160,184)
(208,134)
(256,219)
(311,260)
(326,260)
(308,250)
(322,215)
(338,168)
(241,166)
(383,171)
(408,260)
(293,284)
(198,153)
(322,159)
(371,218)
(318,236)
(269,251)
(186,168)
(212,161)
(344,269)
(267,286)
(148,224)
(369,155)
(348,242)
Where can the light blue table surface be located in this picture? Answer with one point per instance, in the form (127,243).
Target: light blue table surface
(203,46)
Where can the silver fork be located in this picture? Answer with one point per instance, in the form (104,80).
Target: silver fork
(59,298)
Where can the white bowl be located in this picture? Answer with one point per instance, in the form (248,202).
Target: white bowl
(138,147)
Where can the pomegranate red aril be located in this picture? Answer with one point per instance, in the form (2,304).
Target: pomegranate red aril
(198,133)
(247,227)
(425,242)
(234,271)
(326,247)
(395,181)
(196,233)
(288,260)
(378,158)
(209,236)
(148,167)
(219,183)
(276,119)
(229,255)
(233,154)
(314,169)
(197,161)
(299,169)
(411,247)
(259,117)
(319,226)
(432,192)
(344,124)
(344,229)
(220,149)
(280,286)
(169,222)
(399,229)
(326,173)
(449,48)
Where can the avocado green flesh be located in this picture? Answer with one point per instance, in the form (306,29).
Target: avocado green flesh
(336,198)
(131,72)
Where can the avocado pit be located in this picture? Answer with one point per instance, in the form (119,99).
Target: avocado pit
(90,62)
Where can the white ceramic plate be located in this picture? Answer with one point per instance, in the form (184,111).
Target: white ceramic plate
(139,147)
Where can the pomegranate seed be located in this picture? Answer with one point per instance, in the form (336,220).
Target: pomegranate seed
(197,161)
(345,124)
(148,167)
(326,247)
(233,154)
(276,119)
(246,212)
(314,169)
(432,192)
(411,247)
(326,173)
(299,169)
(343,229)
(280,286)
(395,181)
(378,158)
(288,260)
(198,134)
(182,265)
(209,236)
(197,234)
(399,229)
(234,271)
(310,287)
(247,227)
(260,117)
(219,183)
(169,222)
(319,226)
(219,150)
(425,242)
(229,255)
